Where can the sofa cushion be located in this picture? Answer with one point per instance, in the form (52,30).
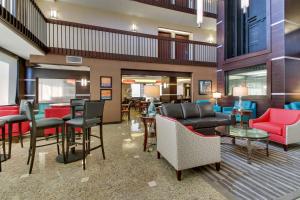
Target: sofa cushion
(270,127)
(206,110)
(190,110)
(206,122)
(172,110)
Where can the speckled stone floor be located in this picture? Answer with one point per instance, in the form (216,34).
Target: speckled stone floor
(127,173)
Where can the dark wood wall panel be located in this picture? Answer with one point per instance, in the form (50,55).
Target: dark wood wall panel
(276,68)
(292,73)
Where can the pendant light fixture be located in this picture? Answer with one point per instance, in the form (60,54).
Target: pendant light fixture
(244,5)
(199,12)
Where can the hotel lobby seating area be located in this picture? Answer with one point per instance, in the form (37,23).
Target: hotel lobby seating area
(149,100)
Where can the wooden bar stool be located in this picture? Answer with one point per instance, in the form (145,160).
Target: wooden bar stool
(39,125)
(92,116)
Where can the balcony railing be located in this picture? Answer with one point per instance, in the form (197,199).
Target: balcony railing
(209,6)
(67,38)
(92,41)
(26,18)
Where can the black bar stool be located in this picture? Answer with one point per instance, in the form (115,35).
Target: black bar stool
(13,119)
(39,125)
(77,106)
(2,126)
(92,116)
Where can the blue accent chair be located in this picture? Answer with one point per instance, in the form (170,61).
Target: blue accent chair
(202,102)
(246,105)
(41,113)
(292,106)
(217,108)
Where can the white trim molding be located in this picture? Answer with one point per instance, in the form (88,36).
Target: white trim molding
(285,57)
(285,94)
(219,22)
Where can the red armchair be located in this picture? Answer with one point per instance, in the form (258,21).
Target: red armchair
(13,110)
(282,125)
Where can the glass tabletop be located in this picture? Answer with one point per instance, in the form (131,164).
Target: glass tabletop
(239,132)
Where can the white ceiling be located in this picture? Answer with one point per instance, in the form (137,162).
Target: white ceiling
(16,44)
(137,9)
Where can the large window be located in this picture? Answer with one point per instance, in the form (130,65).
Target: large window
(56,90)
(245,32)
(254,78)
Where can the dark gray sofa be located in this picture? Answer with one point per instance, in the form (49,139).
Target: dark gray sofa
(197,116)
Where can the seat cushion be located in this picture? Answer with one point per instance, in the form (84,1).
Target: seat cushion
(207,122)
(173,110)
(190,110)
(14,118)
(75,122)
(207,110)
(49,122)
(270,127)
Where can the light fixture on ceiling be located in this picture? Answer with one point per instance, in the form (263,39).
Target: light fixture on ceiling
(133,28)
(84,82)
(244,5)
(53,14)
(199,12)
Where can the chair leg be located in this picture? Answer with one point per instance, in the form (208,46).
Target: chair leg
(57,140)
(63,142)
(20,134)
(30,148)
(83,148)
(89,140)
(178,173)
(218,166)
(32,152)
(101,140)
(9,139)
(3,142)
(158,155)
(285,147)
(68,142)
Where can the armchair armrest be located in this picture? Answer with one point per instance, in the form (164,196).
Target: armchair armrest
(263,118)
(292,132)
(195,149)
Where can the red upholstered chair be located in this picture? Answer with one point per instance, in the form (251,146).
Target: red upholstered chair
(282,125)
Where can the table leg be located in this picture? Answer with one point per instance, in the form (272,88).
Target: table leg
(145,136)
(249,148)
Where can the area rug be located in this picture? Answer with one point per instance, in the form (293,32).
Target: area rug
(267,178)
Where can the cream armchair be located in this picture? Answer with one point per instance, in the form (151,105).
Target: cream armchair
(184,148)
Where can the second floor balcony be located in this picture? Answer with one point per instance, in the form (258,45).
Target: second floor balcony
(189,6)
(69,38)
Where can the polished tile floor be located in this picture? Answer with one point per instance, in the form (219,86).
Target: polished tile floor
(127,173)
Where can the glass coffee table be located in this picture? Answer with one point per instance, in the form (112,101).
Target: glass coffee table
(244,133)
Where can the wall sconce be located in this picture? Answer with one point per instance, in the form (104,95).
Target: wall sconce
(53,14)
(210,39)
(84,82)
(133,28)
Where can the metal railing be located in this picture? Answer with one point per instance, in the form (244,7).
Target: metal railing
(26,17)
(93,41)
(209,6)
(67,38)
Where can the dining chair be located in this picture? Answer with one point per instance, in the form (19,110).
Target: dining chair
(16,119)
(40,125)
(126,110)
(92,117)
(76,109)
